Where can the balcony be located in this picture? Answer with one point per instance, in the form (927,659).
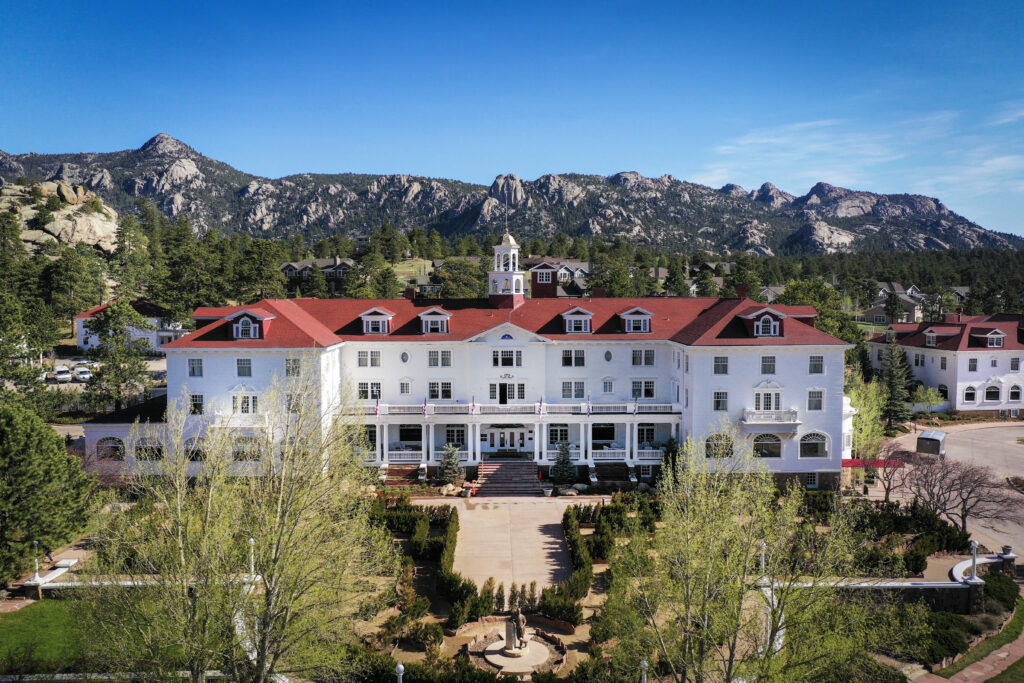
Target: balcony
(368,407)
(610,454)
(574,454)
(650,454)
(772,420)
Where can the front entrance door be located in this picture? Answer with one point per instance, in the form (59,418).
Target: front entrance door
(503,393)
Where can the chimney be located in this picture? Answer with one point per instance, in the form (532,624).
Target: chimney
(598,293)
(409,293)
(741,291)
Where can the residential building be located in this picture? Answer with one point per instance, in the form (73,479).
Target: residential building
(334,269)
(974,361)
(162,330)
(612,378)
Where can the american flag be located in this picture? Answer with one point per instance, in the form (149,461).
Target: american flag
(472,408)
(424,408)
(636,406)
(588,406)
(376,409)
(540,406)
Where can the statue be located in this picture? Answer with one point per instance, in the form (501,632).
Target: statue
(520,622)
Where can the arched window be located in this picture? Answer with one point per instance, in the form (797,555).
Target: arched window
(718,446)
(814,445)
(944,392)
(194,449)
(110,448)
(1015,393)
(969,395)
(766,327)
(767,446)
(244,329)
(992,393)
(149,449)
(519,287)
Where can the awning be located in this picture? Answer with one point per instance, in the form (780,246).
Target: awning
(873,462)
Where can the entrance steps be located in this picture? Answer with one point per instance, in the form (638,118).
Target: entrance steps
(402,475)
(508,478)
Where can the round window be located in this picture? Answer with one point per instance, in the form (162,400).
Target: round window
(405,357)
(608,356)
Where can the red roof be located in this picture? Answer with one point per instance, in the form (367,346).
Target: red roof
(963,336)
(146,309)
(696,321)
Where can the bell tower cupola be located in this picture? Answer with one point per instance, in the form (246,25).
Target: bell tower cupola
(505,278)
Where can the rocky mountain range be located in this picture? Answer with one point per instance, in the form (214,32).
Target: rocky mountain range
(81,216)
(661,212)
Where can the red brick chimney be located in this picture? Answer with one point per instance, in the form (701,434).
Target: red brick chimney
(741,291)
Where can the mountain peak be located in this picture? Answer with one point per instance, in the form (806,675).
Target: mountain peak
(164,144)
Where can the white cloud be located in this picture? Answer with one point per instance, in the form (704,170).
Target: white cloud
(1012,112)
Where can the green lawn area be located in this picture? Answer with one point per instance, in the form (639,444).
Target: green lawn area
(990,645)
(42,633)
(412,267)
(871,328)
(1013,674)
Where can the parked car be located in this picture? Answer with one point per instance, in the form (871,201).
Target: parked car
(62,374)
(82,374)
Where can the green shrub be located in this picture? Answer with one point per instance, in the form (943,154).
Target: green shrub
(459,614)
(949,634)
(425,633)
(1002,589)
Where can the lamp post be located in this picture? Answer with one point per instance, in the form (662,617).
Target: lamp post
(400,671)
(643,671)
(252,558)
(35,558)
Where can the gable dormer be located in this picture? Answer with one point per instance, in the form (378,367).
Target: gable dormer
(377,321)
(890,334)
(765,322)
(250,323)
(434,320)
(577,320)
(993,339)
(636,320)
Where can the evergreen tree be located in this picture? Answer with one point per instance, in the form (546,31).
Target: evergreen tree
(896,377)
(450,471)
(706,285)
(43,492)
(461,279)
(260,276)
(130,265)
(74,282)
(317,284)
(676,283)
(559,245)
(386,285)
(122,373)
(563,471)
(745,275)
(893,307)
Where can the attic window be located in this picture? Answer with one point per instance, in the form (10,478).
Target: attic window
(995,341)
(890,335)
(375,326)
(929,339)
(638,324)
(435,326)
(577,325)
(544,276)
(245,329)
(767,326)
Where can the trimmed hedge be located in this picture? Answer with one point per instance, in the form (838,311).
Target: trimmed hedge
(562,601)
(1002,589)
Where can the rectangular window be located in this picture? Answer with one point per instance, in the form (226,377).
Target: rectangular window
(558,434)
(374,359)
(767,365)
(638,357)
(767,400)
(972,364)
(493,393)
(995,342)
(1015,365)
(721,365)
(455,435)
(404,388)
(577,325)
(646,471)
(195,404)
(638,325)
(814,400)
(374,326)
(816,365)
(433,358)
(645,434)
(567,358)
(292,367)
(643,388)
(579,358)
(720,401)
(364,359)
(879,354)
(942,362)
(812,480)
(608,386)
(519,359)
(410,433)
(195,367)
(543,277)
(686,363)
(369,390)
(918,360)
(435,326)
(602,432)
(648,356)
(440,390)
(244,404)
(508,358)
(243,366)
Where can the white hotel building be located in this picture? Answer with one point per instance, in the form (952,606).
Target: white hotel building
(515,377)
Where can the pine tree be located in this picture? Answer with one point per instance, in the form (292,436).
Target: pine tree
(563,471)
(499,598)
(896,377)
(450,472)
(130,265)
(893,307)
(676,283)
(317,285)
(513,597)
(122,374)
(43,491)
(706,285)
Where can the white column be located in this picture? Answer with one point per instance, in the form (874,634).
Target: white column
(430,441)
(536,441)
(423,442)
(387,435)
(380,443)
(542,438)
(476,442)
(629,440)
(585,441)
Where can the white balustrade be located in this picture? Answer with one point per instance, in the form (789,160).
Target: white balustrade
(649,454)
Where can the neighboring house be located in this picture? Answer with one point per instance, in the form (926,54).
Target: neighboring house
(164,330)
(959,294)
(614,379)
(974,361)
(425,285)
(911,307)
(727,267)
(334,269)
(772,292)
(558,278)
(720,281)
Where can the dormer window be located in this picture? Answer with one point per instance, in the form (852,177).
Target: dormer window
(995,342)
(375,326)
(636,320)
(434,321)
(929,339)
(245,329)
(577,320)
(890,335)
(767,326)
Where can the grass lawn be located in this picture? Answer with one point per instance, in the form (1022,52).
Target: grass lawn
(413,267)
(1012,674)
(990,645)
(871,328)
(42,633)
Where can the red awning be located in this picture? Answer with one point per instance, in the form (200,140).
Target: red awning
(876,463)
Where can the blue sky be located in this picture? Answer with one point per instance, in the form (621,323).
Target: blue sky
(924,97)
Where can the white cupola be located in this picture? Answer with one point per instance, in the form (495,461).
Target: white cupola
(505,278)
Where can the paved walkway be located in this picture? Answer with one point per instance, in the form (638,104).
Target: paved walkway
(510,538)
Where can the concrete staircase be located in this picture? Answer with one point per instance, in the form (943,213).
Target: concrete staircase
(508,478)
(402,475)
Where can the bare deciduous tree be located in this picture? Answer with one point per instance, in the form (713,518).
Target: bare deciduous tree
(962,491)
(891,468)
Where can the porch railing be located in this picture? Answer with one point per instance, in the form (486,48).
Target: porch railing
(770,416)
(508,409)
(574,454)
(610,454)
(649,454)
(405,456)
